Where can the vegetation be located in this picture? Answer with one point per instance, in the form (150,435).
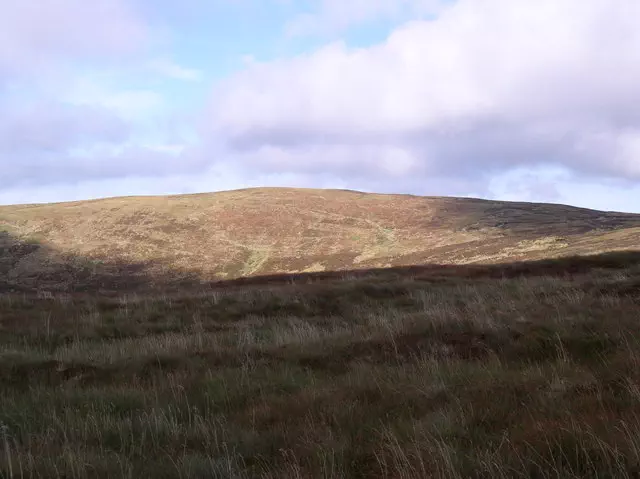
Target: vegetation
(525,370)
(284,230)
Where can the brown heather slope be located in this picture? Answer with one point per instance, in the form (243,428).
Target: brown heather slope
(281,230)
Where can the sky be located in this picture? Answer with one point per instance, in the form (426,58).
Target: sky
(501,99)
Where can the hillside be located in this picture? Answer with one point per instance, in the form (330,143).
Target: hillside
(387,376)
(143,371)
(274,230)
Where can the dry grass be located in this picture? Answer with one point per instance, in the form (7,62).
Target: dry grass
(529,370)
(270,230)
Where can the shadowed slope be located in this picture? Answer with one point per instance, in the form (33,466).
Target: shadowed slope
(384,376)
(280,230)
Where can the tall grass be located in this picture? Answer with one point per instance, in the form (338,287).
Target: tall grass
(382,376)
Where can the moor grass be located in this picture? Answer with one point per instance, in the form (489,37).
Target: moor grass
(531,373)
(261,231)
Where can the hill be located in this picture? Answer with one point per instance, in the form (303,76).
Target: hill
(281,230)
(143,371)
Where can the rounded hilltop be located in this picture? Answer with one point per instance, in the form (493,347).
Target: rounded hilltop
(258,231)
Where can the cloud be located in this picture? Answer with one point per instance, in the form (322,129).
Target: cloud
(67,112)
(44,168)
(113,95)
(486,87)
(38,35)
(54,127)
(35,140)
(335,16)
(48,143)
(170,69)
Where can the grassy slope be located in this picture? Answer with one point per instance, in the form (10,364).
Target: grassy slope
(428,374)
(523,370)
(271,230)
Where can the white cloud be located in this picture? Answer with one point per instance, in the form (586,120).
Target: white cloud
(59,126)
(560,186)
(488,86)
(50,127)
(38,35)
(334,16)
(130,104)
(168,148)
(170,69)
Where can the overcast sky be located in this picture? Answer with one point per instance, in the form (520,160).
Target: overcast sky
(508,99)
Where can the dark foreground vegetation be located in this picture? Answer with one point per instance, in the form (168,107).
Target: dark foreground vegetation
(529,370)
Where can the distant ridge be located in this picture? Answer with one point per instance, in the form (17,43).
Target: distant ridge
(261,231)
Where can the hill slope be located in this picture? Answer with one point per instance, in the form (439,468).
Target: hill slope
(274,230)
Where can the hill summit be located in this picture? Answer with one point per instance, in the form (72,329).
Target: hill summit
(284,230)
